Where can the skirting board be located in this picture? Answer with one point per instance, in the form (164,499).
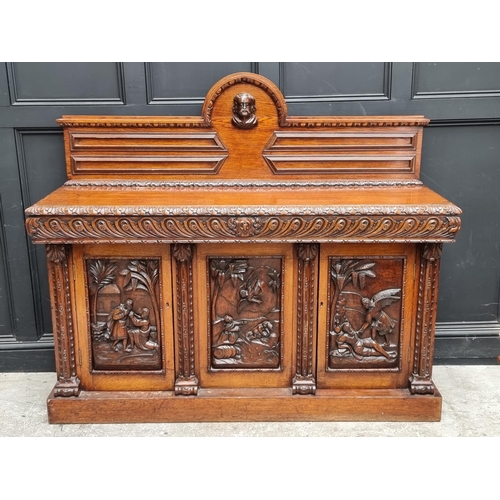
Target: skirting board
(245,405)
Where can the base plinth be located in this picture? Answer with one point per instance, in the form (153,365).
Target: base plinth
(245,405)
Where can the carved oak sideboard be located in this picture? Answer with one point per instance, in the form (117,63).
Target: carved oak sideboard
(243,265)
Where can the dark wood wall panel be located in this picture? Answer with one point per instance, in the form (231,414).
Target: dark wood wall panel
(461,160)
(42,83)
(448,79)
(179,81)
(336,81)
(42,170)
(462,163)
(6,311)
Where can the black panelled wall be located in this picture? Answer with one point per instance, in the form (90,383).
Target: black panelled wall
(461,160)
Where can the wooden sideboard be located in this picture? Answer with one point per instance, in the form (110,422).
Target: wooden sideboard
(243,265)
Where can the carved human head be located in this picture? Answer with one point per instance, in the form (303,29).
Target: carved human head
(244,110)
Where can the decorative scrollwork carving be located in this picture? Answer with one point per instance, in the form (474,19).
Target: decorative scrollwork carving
(88,229)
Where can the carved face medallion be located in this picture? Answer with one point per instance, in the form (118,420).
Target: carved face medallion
(245,226)
(244,111)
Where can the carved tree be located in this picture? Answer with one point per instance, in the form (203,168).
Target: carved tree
(102,273)
(344,271)
(143,275)
(222,270)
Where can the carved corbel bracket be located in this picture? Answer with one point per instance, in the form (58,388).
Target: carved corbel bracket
(186,383)
(304,381)
(421,379)
(68,384)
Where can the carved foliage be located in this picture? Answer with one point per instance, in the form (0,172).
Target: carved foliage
(124,310)
(245,312)
(365,313)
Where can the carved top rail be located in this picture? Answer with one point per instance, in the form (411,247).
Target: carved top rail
(243,171)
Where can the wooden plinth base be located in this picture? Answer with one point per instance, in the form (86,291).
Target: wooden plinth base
(244,405)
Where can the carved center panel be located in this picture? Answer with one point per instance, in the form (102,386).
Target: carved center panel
(245,312)
(365,313)
(124,300)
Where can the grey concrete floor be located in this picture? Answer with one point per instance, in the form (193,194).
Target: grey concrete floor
(471,407)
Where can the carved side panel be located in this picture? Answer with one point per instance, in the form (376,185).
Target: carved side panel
(304,381)
(245,312)
(186,383)
(67,383)
(421,381)
(365,313)
(124,302)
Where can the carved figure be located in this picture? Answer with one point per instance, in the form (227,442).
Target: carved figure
(230,330)
(376,318)
(251,292)
(262,330)
(117,324)
(244,111)
(140,337)
(359,347)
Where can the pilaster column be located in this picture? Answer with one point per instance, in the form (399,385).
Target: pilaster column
(67,383)
(421,378)
(186,383)
(304,381)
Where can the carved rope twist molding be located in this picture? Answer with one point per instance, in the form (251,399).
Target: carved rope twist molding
(157,229)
